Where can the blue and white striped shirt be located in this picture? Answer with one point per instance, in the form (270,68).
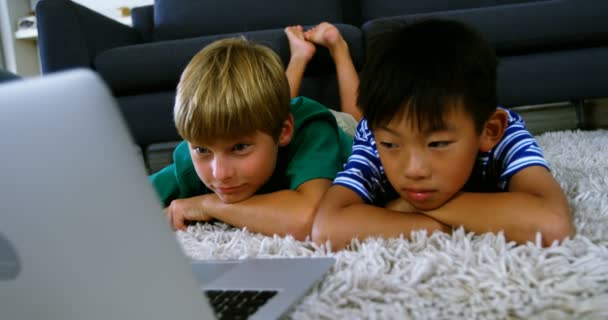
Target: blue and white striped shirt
(364,174)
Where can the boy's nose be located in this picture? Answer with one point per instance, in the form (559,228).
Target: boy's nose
(222,169)
(416,167)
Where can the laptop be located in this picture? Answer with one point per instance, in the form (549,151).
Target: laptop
(82,234)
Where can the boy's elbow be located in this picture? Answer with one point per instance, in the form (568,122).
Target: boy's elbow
(324,233)
(300,234)
(558,233)
(300,229)
(296,227)
(331,221)
(320,228)
(319,234)
(559,229)
(322,236)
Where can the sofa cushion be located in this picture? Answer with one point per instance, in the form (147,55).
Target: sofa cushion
(158,65)
(143,21)
(527,27)
(373,9)
(150,116)
(552,76)
(188,18)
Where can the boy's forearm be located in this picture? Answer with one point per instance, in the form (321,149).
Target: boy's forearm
(519,215)
(348,79)
(285,212)
(294,73)
(363,221)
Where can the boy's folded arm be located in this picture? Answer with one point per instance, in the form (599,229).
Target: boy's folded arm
(534,203)
(343,216)
(284,212)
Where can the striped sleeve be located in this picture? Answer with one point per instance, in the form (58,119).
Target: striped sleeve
(517,149)
(363,171)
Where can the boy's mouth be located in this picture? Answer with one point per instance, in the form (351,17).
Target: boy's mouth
(227,190)
(418,195)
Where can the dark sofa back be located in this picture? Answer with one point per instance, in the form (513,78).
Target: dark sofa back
(187,18)
(549,50)
(373,9)
(538,43)
(192,24)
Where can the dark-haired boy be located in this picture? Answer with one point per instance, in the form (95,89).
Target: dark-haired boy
(434,152)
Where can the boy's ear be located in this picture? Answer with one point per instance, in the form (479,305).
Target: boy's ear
(286,131)
(493,130)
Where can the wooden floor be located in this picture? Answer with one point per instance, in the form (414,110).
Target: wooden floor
(562,116)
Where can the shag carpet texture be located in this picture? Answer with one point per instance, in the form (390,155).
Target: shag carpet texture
(462,275)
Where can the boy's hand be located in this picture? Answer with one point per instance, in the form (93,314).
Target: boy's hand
(180,211)
(400,205)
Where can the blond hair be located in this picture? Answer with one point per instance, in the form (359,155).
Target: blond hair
(231,88)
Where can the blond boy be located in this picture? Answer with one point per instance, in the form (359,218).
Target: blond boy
(253,156)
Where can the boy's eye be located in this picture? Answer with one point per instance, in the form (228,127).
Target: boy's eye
(439,144)
(201,150)
(388,145)
(240,147)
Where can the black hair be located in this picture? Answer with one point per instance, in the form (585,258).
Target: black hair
(420,70)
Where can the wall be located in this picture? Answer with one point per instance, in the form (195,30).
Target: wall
(110,8)
(2,65)
(5,34)
(20,57)
(107,7)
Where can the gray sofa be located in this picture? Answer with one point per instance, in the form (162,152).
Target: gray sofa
(6,76)
(549,50)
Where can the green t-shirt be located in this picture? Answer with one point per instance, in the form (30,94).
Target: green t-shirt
(318,149)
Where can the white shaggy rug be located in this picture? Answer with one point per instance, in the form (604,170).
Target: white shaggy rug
(458,276)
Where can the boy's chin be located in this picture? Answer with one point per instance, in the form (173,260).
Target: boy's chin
(233,198)
(425,207)
(434,202)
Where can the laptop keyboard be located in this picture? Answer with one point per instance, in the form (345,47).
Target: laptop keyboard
(237,304)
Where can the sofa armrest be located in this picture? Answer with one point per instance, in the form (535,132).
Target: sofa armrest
(71,35)
(143,21)
(7,76)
